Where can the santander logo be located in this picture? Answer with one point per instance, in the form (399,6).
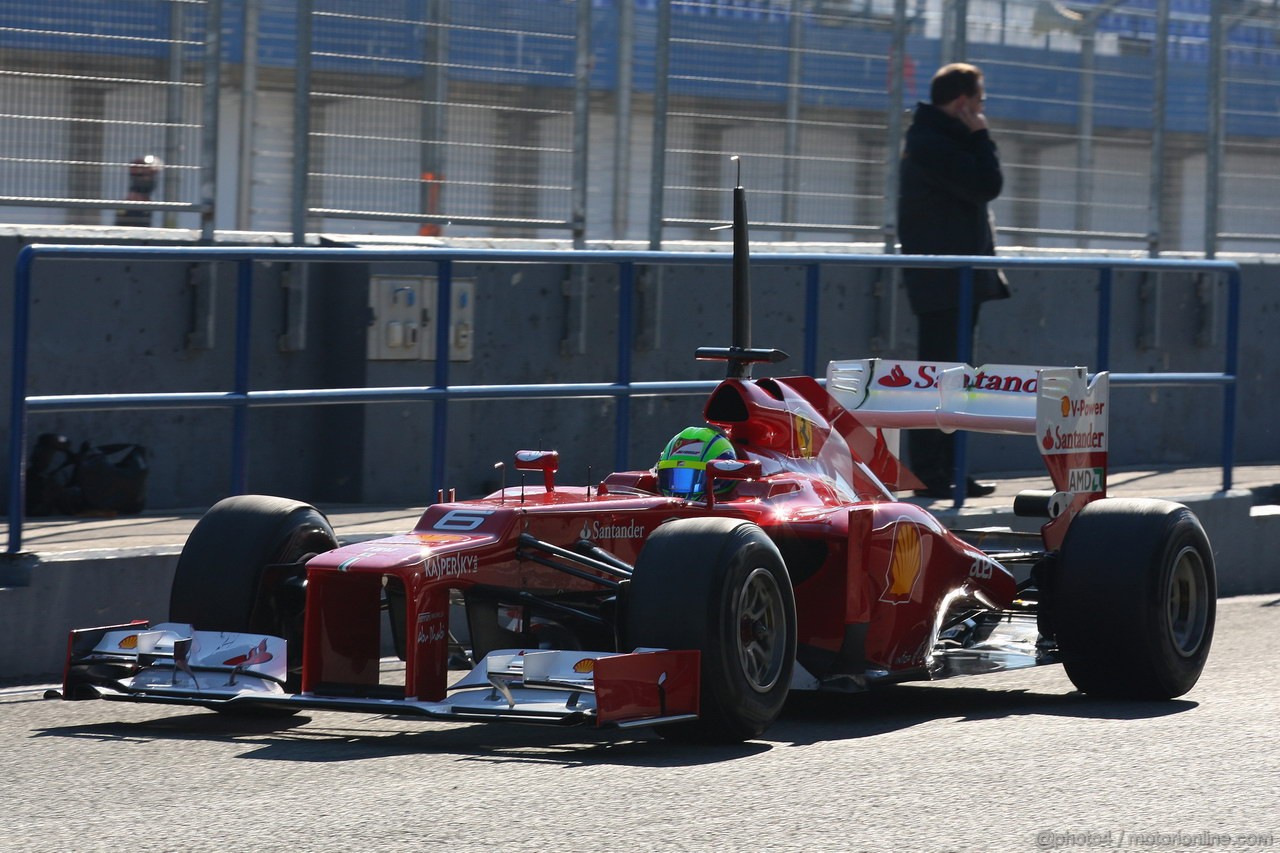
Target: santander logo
(927,377)
(593,530)
(897,378)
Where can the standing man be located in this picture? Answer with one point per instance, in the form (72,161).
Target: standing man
(950,171)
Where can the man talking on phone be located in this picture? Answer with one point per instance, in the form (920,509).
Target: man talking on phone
(950,171)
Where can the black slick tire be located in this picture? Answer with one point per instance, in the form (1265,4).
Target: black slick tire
(720,586)
(1134,601)
(242,568)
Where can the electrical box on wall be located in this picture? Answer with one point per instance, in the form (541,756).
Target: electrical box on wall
(403,318)
(400,318)
(462,318)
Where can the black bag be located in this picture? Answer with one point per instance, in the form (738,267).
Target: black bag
(50,472)
(113,477)
(60,481)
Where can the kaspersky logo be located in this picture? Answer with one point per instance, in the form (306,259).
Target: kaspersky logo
(594,530)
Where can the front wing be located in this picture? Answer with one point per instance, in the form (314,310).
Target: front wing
(171,663)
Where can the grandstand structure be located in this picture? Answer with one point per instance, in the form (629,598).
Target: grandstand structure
(1142,126)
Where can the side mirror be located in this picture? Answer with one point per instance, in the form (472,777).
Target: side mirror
(546,461)
(729,469)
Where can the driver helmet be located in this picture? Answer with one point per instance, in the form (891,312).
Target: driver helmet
(682,466)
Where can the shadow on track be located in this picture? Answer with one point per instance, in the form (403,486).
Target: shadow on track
(812,718)
(331,737)
(807,719)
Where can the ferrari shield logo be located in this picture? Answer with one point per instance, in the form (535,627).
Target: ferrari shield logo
(804,436)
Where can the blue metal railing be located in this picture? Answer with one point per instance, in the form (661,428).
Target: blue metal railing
(241,397)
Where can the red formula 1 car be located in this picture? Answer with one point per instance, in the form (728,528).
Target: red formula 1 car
(696,596)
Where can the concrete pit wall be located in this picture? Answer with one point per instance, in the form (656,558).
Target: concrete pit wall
(160,326)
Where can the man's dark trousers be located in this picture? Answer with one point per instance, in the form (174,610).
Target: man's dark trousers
(932,452)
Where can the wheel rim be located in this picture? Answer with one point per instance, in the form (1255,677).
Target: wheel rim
(1188,598)
(761,630)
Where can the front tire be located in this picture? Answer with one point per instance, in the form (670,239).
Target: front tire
(242,569)
(719,585)
(1135,599)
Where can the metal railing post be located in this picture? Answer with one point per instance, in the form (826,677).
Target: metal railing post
(622,120)
(1155,191)
(432,123)
(812,292)
(173,110)
(1084,130)
(893,125)
(954,39)
(791,129)
(301,122)
(18,397)
(243,354)
(661,86)
(1103,358)
(209,120)
(1231,369)
(964,354)
(440,410)
(622,424)
(581,125)
(248,115)
(1213,144)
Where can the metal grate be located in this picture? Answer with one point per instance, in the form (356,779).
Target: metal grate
(87,92)
(507,118)
(798,90)
(457,114)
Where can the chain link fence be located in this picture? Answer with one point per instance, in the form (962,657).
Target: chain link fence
(799,91)
(443,112)
(1134,125)
(104,108)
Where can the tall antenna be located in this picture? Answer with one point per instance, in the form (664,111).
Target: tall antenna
(740,356)
(741,270)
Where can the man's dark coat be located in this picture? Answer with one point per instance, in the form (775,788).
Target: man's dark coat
(948,175)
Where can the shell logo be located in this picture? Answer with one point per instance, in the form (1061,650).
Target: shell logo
(129,642)
(1066,407)
(585,665)
(905,562)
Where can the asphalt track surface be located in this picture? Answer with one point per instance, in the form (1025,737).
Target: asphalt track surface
(1007,762)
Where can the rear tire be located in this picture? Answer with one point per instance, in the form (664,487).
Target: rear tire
(223,582)
(1135,599)
(720,586)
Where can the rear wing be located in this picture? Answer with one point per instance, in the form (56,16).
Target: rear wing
(1065,408)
